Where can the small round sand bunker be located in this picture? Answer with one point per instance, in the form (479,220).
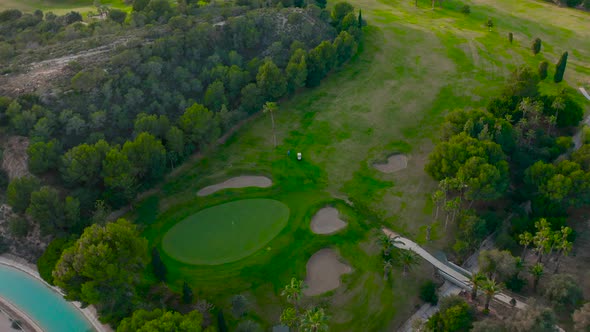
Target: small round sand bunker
(237,182)
(327,221)
(323,272)
(394,163)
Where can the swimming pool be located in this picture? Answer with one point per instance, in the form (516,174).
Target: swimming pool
(48,308)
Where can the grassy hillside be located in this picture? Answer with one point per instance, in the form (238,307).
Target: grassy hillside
(59,6)
(416,65)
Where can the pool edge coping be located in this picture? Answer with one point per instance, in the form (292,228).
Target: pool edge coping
(90,316)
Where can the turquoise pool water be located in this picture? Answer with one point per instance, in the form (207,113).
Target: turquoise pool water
(49,310)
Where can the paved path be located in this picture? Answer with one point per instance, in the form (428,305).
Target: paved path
(447,272)
(585,93)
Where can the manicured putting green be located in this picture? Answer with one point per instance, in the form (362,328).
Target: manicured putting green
(226,232)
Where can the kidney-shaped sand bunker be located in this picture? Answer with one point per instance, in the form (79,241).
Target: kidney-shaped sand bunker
(227,232)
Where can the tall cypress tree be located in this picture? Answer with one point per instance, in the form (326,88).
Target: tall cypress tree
(543,65)
(187,293)
(160,270)
(221,324)
(536,46)
(560,68)
(360,19)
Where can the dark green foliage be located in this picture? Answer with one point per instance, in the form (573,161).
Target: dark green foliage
(187,293)
(117,15)
(536,47)
(360,18)
(457,318)
(18,193)
(560,68)
(3,180)
(71,17)
(573,3)
(18,226)
(510,37)
(339,11)
(321,3)
(428,293)
(43,156)
(522,83)
(515,283)
(46,263)
(10,15)
(563,291)
(221,324)
(466,9)
(158,266)
(4,247)
(543,65)
(160,320)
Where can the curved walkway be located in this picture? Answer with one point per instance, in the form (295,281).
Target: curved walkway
(450,274)
(88,312)
(26,323)
(585,93)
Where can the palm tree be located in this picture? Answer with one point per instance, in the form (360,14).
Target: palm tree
(292,291)
(438,197)
(451,207)
(491,288)
(407,259)
(563,245)
(270,108)
(537,271)
(289,317)
(476,281)
(387,267)
(526,239)
(542,238)
(314,320)
(558,105)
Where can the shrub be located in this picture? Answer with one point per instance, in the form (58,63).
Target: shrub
(543,65)
(3,180)
(428,293)
(536,47)
(46,263)
(466,10)
(510,37)
(19,226)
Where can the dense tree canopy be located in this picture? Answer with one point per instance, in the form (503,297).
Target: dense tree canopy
(103,268)
(159,320)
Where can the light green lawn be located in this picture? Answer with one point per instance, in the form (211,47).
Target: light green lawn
(415,66)
(59,7)
(226,232)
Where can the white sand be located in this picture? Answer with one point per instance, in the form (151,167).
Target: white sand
(327,221)
(237,182)
(323,272)
(394,163)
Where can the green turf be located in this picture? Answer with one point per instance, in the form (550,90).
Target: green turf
(226,232)
(60,7)
(416,65)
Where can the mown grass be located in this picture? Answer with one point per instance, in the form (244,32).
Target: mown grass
(416,65)
(60,7)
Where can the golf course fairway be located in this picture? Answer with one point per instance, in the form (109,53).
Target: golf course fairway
(227,232)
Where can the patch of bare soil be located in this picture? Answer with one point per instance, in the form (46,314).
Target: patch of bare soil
(15,158)
(394,163)
(237,182)
(30,247)
(327,221)
(323,272)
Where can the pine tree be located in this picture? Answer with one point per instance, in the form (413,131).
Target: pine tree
(187,293)
(543,65)
(360,18)
(560,68)
(160,270)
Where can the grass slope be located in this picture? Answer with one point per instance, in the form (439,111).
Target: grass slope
(227,232)
(416,64)
(59,6)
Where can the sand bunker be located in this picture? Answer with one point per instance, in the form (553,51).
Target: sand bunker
(237,182)
(326,221)
(323,272)
(394,163)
